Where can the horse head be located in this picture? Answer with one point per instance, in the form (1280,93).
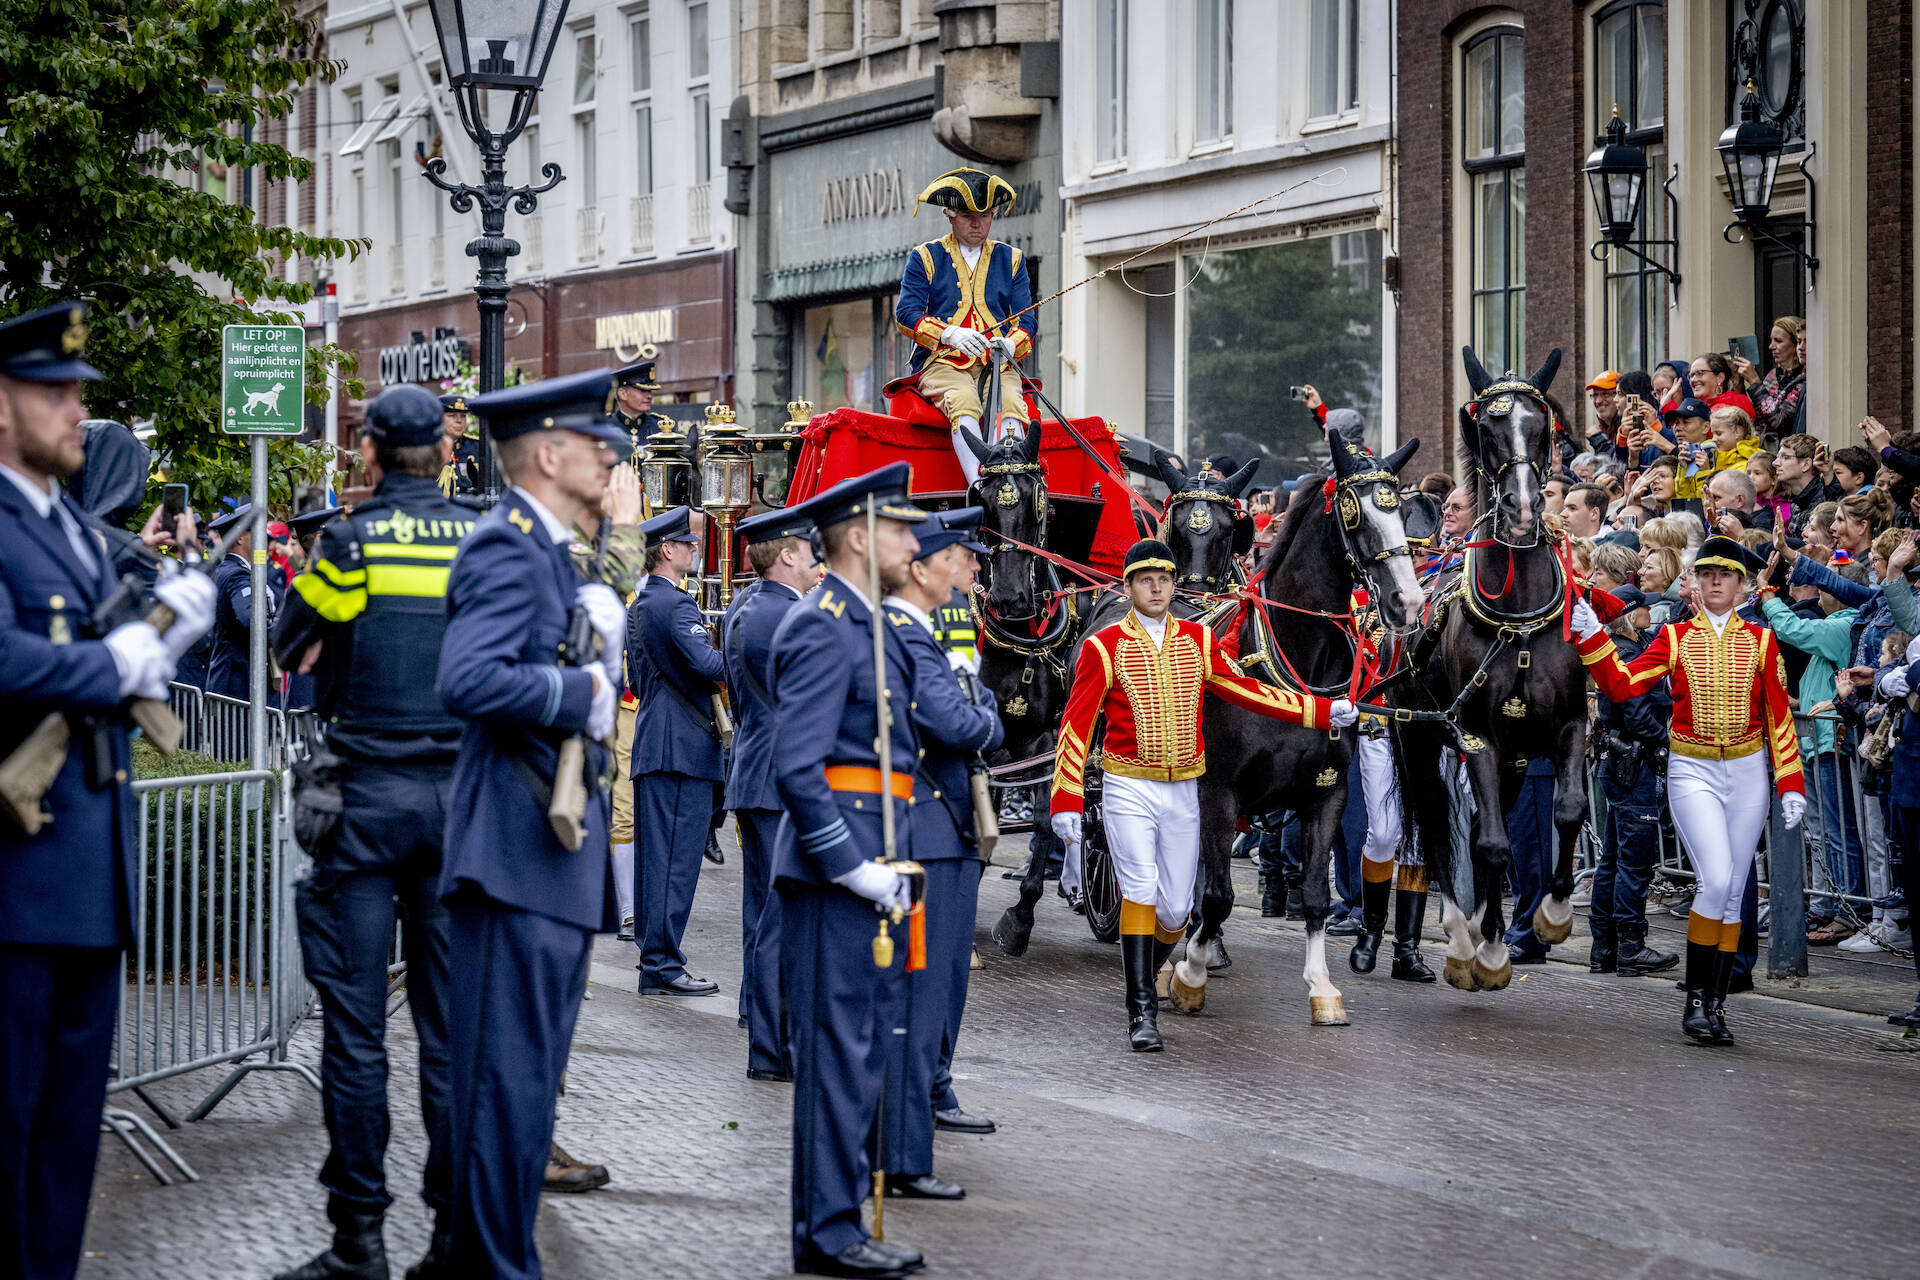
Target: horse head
(1508,428)
(1012,490)
(1373,528)
(1204,525)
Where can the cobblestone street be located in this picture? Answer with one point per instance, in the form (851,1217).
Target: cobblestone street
(1559,1128)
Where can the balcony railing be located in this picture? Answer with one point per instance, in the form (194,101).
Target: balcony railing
(643,224)
(396,268)
(586,240)
(436,261)
(700,212)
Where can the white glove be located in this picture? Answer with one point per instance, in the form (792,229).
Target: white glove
(1793,807)
(968,342)
(1893,682)
(1003,348)
(608,614)
(141,657)
(191,597)
(1067,827)
(879,884)
(600,713)
(1585,621)
(1344,713)
(963,662)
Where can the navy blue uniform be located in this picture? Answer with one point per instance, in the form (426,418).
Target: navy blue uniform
(952,730)
(674,671)
(522,908)
(231,662)
(373,598)
(841,1008)
(748,630)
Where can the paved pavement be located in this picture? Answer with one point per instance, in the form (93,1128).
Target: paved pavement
(1562,1127)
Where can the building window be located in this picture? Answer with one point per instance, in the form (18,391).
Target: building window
(702,137)
(640,47)
(1110,80)
(698,65)
(697,53)
(585,86)
(1334,87)
(1493,153)
(1213,70)
(1770,36)
(1629,76)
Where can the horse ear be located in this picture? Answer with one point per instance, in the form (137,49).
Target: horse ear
(1173,477)
(1542,378)
(975,444)
(1030,444)
(1401,456)
(1477,376)
(1237,482)
(1243,532)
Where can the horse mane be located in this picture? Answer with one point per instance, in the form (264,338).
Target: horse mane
(1289,526)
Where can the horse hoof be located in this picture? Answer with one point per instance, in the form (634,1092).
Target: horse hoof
(1546,928)
(1328,1011)
(1011,934)
(1186,999)
(1460,973)
(1217,957)
(1487,978)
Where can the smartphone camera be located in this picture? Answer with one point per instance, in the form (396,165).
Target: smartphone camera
(1299,393)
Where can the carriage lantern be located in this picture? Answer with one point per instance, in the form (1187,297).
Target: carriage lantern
(1617,172)
(726,476)
(773,452)
(664,469)
(1750,152)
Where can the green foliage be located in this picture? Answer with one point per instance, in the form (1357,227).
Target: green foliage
(149,763)
(109,112)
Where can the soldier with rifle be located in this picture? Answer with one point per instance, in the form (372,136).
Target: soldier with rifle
(67,870)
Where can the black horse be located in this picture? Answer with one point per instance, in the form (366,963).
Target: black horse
(1495,660)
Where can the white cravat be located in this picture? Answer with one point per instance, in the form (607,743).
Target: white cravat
(972,255)
(1718,621)
(1156,628)
(47,504)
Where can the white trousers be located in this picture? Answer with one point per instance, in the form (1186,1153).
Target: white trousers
(1720,809)
(1380,788)
(623,879)
(1153,831)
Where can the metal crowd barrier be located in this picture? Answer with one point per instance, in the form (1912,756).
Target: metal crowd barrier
(215,725)
(214,977)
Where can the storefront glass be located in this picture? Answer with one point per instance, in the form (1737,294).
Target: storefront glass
(844,354)
(1263,320)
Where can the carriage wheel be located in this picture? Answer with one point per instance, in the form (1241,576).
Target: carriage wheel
(1098,880)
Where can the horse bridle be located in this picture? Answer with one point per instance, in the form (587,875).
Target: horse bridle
(1498,403)
(1008,495)
(1200,520)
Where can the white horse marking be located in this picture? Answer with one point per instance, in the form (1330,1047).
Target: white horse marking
(1319,983)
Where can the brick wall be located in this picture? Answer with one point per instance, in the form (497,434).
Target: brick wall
(1890,213)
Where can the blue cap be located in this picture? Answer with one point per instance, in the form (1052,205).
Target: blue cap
(579,402)
(45,345)
(957,528)
(223,523)
(404,416)
(1689,407)
(1630,597)
(638,374)
(675,524)
(455,403)
(883,491)
(311,521)
(781,522)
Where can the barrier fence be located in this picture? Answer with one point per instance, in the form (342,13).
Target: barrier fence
(217,726)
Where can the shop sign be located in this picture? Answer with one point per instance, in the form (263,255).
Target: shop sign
(634,335)
(424,361)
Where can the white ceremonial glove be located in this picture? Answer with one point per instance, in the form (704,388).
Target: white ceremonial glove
(600,713)
(609,616)
(963,662)
(141,657)
(1585,621)
(1067,827)
(879,884)
(968,342)
(1344,713)
(191,597)
(1003,349)
(1793,807)
(1893,683)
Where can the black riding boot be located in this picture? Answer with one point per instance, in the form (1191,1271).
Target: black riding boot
(1273,896)
(1137,952)
(1717,997)
(438,1262)
(1703,960)
(1373,923)
(359,1252)
(1409,917)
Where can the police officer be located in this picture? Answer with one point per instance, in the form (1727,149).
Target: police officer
(462,471)
(840,1003)
(954,730)
(675,671)
(228,670)
(366,618)
(66,886)
(522,907)
(779,548)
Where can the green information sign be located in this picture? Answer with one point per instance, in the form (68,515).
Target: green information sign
(263,380)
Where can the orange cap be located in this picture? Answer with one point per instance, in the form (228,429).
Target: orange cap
(1607,380)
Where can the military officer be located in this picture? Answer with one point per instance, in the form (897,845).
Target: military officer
(841,1005)
(228,670)
(367,618)
(954,731)
(522,907)
(634,385)
(780,550)
(67,887)
(677,762)
(462,472)
(959,296)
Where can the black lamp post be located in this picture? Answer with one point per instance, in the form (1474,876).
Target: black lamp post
(488,45)
(1617,174)
(1750,152)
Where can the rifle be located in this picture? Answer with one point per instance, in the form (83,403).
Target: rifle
(27,773)
(567,811)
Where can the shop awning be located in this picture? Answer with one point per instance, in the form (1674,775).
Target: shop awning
(868,273)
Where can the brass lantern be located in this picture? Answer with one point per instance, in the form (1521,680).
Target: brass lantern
(774,453)
(665,472)
(726,471)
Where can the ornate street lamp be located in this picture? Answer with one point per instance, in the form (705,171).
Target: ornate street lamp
(489,46)
(773,454)
(665,473)
(1750,152)
(726,485)
(1617,174)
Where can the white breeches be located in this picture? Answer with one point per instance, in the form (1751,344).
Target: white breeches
(623,878)
(1380,787)
(1153,831)
(1720,809)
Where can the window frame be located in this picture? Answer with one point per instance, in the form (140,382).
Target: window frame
(1654,288)
(1223,80)
(1110,95)
(1506,163)
(700,101)
(640,100)
(1347,66)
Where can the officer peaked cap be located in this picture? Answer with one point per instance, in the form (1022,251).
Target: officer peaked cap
(580,402)
(884,491)
(781,522)
(455,403)
(638,374)
(45,345)
(672,525)
(967,191)
(223,523)
(310,522)
(960,527)
(405,416)
(1148,553)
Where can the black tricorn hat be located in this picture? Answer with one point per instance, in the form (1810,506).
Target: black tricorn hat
(967,191)
(1148,553)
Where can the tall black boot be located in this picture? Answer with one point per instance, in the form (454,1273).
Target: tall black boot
(359,1252)
(1273,896)
(1137,952)
(1702,961)
(1717,997)
(1409,917)
(438,1262)
(1373,923)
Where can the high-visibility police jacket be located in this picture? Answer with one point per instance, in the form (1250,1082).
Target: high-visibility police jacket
(374,596)
(953,627)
